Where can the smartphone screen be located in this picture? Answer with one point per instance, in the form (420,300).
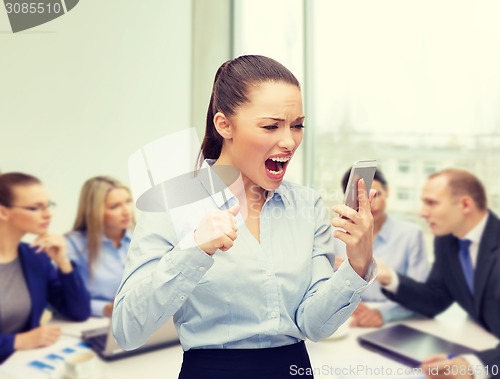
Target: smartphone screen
(360,170)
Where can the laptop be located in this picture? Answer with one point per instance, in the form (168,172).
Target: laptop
(409,346)
(101,340)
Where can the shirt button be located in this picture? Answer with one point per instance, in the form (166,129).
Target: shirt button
(201,268)
(347,282)
(269,273)
(273,314)
(182,297)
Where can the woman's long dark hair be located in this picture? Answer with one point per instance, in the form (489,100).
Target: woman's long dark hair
(232,82)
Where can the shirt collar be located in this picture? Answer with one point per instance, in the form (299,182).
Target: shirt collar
(127,237)
(476,233)
(282,193)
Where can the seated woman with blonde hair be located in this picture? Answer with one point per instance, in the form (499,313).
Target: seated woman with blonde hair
(100,239)
(33,276)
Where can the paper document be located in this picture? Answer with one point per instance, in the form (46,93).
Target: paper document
(43,363)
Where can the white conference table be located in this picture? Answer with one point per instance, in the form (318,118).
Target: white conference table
(328,357)
(358,362)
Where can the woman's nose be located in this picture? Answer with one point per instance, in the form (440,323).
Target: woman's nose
(46,214)
(127,210)
(286,140)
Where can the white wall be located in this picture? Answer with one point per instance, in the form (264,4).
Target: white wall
(78,95)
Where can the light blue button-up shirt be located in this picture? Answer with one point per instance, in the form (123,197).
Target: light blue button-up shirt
(400,245)
(257,294)
(107,272)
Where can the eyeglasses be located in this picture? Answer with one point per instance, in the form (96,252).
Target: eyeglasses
(36,208)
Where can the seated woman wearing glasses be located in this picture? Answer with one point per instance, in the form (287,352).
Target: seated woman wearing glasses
(100,239)
(33,276)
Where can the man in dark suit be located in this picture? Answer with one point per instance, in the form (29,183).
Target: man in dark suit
(466,268)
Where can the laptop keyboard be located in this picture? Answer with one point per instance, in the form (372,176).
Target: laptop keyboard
(99,342)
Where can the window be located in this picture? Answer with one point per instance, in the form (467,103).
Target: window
(385,83)
(385,80)
(404,167)
(403,194)
(430,168)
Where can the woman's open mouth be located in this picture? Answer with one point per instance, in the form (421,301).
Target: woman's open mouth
(276,166)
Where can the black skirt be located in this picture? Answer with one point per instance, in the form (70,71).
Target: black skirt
(269,363)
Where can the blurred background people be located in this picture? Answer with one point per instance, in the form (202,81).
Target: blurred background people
(33,276)
(100,239)
(466,267)
(400,245)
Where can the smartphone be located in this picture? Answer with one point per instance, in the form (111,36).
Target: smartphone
(360,170)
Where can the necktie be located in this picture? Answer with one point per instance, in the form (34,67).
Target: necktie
(466,262)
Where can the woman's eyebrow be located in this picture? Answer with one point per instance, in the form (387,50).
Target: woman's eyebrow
(39,203)
(281,119)
(272,118)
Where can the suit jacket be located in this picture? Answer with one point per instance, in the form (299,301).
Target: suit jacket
(446,284)
(46,285)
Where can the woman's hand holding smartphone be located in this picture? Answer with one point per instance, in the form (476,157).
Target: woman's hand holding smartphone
(360,170)
(356,219)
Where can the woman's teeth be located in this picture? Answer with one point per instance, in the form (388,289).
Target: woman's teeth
(280,159)
(276,172)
